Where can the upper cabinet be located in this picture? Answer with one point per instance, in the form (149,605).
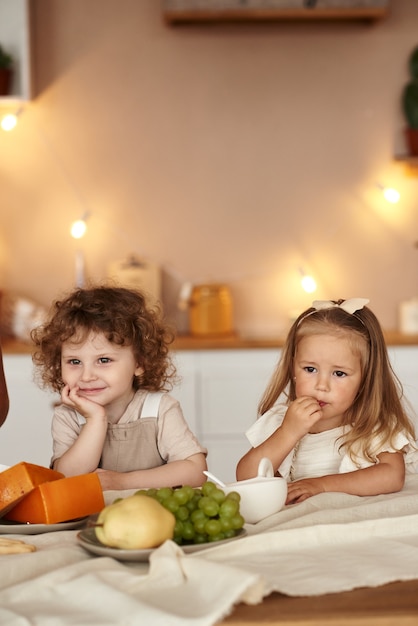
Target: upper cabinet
(184,11)
(15,39)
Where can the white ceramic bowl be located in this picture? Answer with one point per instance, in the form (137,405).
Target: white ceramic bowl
(262,495)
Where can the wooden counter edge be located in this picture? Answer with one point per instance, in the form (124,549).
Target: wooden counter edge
(232,342)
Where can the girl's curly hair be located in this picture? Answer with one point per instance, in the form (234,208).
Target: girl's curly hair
(124,318)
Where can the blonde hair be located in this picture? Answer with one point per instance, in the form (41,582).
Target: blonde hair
(378,409)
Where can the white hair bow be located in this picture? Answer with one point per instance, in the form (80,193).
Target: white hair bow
(349,306)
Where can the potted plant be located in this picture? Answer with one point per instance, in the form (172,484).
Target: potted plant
(410,104)
(6,70)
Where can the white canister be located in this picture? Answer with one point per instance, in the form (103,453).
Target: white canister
(135,273)
(408,317)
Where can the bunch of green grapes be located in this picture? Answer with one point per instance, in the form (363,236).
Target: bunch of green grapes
(202,514)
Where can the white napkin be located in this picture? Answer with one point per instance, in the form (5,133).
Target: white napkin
(176,591)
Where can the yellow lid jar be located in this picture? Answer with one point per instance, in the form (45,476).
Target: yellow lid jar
(210,311)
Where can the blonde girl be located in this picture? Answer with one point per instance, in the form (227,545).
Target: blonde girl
(331,418)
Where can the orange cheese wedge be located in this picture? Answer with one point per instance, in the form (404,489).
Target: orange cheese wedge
(19,480)
(60,501)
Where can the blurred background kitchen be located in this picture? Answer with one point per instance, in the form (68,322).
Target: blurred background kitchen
(245,154)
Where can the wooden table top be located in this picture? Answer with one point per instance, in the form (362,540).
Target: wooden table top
(395,604)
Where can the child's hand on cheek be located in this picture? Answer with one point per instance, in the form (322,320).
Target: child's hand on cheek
(87,408)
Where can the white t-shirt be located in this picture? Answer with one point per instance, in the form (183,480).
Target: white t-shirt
(319,454)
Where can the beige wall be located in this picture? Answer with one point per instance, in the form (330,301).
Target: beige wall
(223,153)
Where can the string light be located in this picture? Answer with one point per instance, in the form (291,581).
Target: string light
(78,230)
(308,282)
(9,121)
(391,195)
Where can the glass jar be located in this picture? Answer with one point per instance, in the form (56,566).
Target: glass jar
(210,311)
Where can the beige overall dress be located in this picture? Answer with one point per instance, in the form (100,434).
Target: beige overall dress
(133,445)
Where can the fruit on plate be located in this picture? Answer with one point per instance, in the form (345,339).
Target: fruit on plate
(134,523)
(203,514)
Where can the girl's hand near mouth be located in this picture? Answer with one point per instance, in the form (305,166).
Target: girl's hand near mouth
(302,414)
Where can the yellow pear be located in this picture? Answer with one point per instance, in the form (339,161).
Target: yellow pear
(135,523)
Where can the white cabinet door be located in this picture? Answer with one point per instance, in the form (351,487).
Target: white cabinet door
(219,392)
(404,361)
(230,384)
(185,390)
(26,433)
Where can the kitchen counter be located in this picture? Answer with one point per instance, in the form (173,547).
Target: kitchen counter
(14,346)
(233,342)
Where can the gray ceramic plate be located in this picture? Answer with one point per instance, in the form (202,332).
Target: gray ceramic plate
(15,528)
(87,538)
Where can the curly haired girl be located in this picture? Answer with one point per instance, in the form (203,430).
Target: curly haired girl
(107,353)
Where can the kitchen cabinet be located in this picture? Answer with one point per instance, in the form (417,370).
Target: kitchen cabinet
(404,361)
(219,394)
(201,11)
(15,31)
(26,433)
(219,390)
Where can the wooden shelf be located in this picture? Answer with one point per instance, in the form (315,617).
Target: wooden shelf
(15,36)
(369,14)
(411,163)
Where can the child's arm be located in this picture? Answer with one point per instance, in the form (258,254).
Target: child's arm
(186,472)
(4,396)
(84,455)
(387,476)
(301,415)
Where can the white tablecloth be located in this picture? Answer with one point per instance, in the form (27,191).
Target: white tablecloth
(329,543)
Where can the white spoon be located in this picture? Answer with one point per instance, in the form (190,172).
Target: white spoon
(215,480)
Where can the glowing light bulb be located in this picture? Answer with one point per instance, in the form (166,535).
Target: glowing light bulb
(78,229)
(8,122)
(391,195)
(308,284)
